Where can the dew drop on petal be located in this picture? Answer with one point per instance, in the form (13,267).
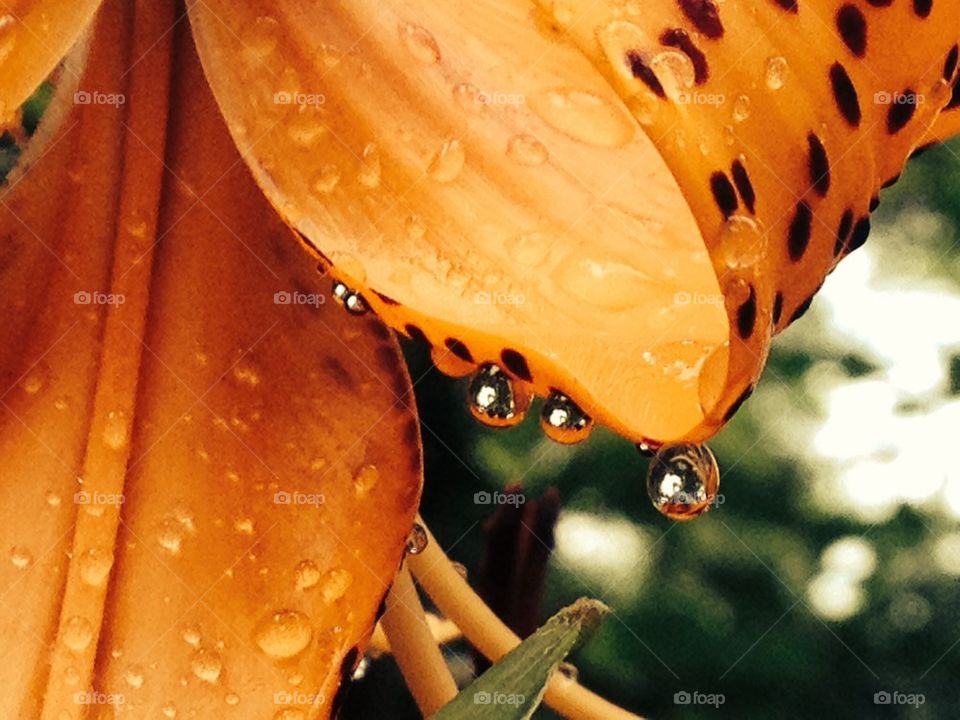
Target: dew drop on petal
(417,540)
(448,162)
(20,557)
(335,584)
(365,481)
(307,575)
(527,150)
(284,634)
(77,633)
(775,73)
(206,665)
(95,564)
(420,43)
(134,676)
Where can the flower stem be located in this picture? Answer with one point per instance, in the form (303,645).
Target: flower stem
(484,630)
(415,648)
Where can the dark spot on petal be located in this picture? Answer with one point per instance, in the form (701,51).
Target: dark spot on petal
(777,307)
(818,164)
(843,232)
(922,7)
(861,231)
(801,309)
(678,38)
(338,372)
(845,94)
(459,349)
(747,315)
(416,334)
(798,236)
(742,180)
(516,364)
(705,16)
(788,5)
(737,404)
(950,64)
(644,73)
(852,26)
(901,110)
(724,194)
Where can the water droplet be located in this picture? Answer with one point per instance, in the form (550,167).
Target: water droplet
(366,480)
(448,162)
(326,180)
(495,400)
(77,633)
(244,526)
(134,676)
(461,569)
(290,714)
(170,537)
(95,564)
(741,243)
(527,150)
(306,128)
(262,37)
(35,380)
(741,108)
(585,117)
(206,665)
(116,430)
(604,283)
(295,678)
(53,500)
(420,43)
(370,169)
(467,97)
(563,421)
(335,584)
(307,574)
(169,710)
(417,540)
(245,373)
(231,699)
(675,72)
(191,636)
(284,634)
(683,480)
(20,557)
(776,72)
(7,42)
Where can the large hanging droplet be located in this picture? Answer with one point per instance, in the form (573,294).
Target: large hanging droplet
(563,421)
(495,400)
(683,480)
(418,540)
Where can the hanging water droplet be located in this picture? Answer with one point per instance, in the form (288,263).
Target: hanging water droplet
(307,574)
(77,633)
(420,43)
(448,162)
(776,72)
(417,540)
(563,421)
(683,480)
(206,665)
(95,565)
(527,150)
(335,584)
(495,400)
(283,635)
(20,557)
(647,448)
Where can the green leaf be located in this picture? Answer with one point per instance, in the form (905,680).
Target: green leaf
(512,689)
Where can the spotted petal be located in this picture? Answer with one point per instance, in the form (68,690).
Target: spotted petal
(624,203)
(209,473)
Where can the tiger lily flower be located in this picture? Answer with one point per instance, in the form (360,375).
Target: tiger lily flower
(211,473)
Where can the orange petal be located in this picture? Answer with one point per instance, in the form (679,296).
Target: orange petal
(176,572)
(34,36)
(622,205)
(947,124)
